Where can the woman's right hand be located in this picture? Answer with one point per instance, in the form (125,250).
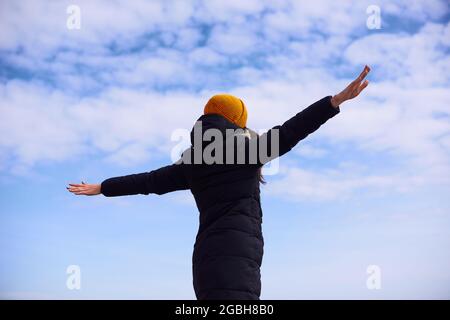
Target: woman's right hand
(84,189)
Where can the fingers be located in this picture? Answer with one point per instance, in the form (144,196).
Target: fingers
(356,87)
(363,86)
(84,188)
(78,192)
(358,90)
(364,73)
(78,185)
(78,189)
(83,184)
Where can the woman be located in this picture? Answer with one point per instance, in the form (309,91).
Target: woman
(228,249)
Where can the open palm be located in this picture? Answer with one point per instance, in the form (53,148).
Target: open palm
(353,89)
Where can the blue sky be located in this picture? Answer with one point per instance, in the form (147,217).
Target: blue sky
(369,188)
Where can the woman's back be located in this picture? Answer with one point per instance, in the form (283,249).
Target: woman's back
(227,196)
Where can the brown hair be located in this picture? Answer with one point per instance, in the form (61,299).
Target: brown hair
(260,176)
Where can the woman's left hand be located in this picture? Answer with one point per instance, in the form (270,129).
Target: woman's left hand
(352,90)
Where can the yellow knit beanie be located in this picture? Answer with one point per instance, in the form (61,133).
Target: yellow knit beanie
(228,106)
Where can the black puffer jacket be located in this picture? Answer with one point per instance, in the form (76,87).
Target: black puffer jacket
(229,246)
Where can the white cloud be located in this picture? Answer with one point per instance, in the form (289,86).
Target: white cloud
(188,38)
(419,59)
(416,9)
(130,155)
(272,55)
(206,56)
(44,124)
(340,184)
(310,151)
(235,40)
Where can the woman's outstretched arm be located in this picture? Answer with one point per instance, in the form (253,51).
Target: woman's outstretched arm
(159,181)
(311,118)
